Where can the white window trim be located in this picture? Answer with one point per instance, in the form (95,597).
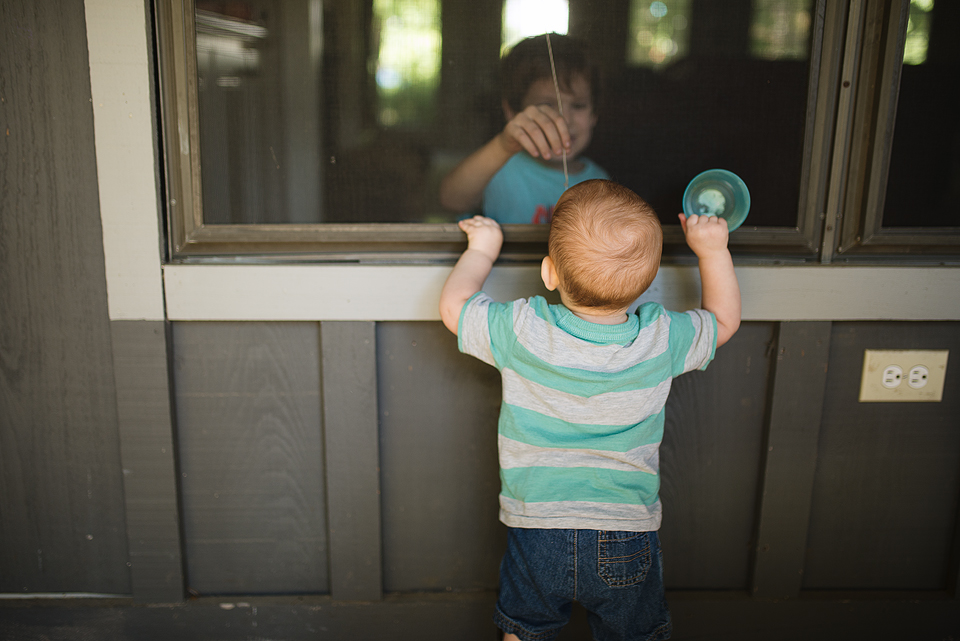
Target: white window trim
(117,44)
(405,293)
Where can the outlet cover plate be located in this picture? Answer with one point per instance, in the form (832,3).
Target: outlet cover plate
(878,361)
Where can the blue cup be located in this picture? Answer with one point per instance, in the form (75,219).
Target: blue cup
(718,192)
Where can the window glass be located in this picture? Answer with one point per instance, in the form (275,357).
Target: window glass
(659,32)
(918,32)
(923,184)
(258,66)
(336,111)
(780,29)
(407,46)
(525,18)
(727,88)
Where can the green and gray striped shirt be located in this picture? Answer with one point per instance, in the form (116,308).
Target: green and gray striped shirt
(583,406)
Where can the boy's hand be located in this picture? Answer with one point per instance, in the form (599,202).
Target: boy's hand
(705,234)
(483,235)
(538,129)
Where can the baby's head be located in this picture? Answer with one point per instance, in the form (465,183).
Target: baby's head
(605,244)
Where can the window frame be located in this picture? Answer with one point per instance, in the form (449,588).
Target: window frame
(831,148)
(859,233)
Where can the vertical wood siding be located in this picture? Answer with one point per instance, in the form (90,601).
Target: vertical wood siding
(828,513)
(62,523)
(251,457)
(710,464)
(438,435)
(887,486)
(148,456)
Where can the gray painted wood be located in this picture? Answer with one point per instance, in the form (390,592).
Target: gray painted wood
(790,458)
(144,409)
(953,566)
(710,465)
(887,484)
(251,457)
(468,617)
(438,450)
(61,492)
(349,380)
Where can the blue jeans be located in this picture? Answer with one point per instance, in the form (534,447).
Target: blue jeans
(616,576)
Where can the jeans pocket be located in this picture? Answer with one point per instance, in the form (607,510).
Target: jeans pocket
(624,558)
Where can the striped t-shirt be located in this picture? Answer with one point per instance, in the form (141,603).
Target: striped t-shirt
(583,404)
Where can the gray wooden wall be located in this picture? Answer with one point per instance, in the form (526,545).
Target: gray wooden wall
(62,521)
(769,443)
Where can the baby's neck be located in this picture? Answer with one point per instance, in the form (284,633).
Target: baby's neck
(593,314)
(602,319)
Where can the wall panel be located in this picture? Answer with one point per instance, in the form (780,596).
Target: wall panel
(61,490)
(251,457)
(888,477)
(710,461)
(148,456)
(438,452)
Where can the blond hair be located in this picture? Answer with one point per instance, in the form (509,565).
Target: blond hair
(605,243)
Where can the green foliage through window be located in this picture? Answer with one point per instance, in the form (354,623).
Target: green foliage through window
(918,32)
(659,32)
(780,29)
(407,72)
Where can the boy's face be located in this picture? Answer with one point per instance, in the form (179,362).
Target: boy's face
(577,108)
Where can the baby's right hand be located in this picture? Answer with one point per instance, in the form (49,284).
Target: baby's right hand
(538,129)
(484,235)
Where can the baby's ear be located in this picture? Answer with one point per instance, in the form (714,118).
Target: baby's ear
(548,272)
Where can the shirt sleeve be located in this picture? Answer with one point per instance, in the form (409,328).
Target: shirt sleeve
(693,340)
(473,330)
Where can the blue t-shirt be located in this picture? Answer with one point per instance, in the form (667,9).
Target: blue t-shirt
(525,190)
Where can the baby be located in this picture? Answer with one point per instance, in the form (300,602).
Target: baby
(585,384)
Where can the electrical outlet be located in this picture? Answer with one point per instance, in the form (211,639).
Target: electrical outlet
(918,377)
(892,377)
(899,376)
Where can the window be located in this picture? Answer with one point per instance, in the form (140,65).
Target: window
(407,46)
(904,171)
(780,29)
(321,129)
(710,85)
(659,32)
(524,18)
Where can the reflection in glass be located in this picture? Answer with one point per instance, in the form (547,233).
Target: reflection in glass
(336,111)
(918,32)
(715,104)
(780,29)
(525,18)
(229,44)
(408,60)
(923,181)
(230,53)
(258,69)
(659,32)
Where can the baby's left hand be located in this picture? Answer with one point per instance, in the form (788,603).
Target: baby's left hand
(705,234)
(483,235)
